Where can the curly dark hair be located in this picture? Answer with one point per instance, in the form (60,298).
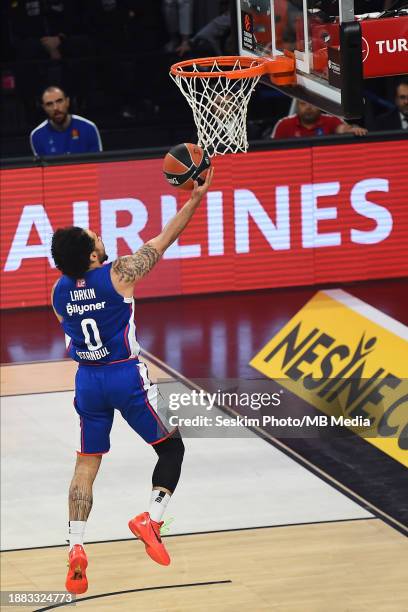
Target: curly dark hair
(71,249)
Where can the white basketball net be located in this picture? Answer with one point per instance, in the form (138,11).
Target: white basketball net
(219,106)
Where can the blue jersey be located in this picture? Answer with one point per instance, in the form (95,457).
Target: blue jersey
(97,320)
(81,136)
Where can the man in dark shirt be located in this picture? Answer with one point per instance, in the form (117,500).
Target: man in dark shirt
(396,119)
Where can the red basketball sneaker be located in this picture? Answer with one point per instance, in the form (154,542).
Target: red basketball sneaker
(149,532)
(77,581)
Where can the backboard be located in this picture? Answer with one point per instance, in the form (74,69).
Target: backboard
(325,39)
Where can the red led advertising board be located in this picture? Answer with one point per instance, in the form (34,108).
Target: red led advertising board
(385,46)
(271,219)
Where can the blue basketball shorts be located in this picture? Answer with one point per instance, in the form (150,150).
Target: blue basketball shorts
(124,386)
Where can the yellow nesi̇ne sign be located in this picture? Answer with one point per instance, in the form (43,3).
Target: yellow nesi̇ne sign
(346,358)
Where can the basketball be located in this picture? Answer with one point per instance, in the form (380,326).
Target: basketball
(186,163)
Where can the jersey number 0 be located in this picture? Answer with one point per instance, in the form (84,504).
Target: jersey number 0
(91,323)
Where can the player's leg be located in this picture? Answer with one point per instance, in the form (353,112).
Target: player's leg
(80,496)
(139,402)
(166,474)
(80,501)
(95,418)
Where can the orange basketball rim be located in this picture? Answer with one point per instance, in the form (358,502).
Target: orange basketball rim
(281,69)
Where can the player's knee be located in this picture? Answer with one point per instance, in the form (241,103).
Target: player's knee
(172,448)
(170,453)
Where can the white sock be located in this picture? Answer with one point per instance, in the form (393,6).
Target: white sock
(76,533)
(158,504)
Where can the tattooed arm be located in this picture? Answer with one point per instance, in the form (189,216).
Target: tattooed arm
(126,271)
(132,267)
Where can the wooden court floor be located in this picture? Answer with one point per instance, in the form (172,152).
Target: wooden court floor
(49,376)
(340,566)
(350,566)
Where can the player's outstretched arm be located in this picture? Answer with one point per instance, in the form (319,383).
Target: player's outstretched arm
(129,269)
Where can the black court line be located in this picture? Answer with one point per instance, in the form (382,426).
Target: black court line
(158,588)
(194,533)
(293,454)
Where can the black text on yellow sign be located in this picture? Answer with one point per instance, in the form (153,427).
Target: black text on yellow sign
(336,354)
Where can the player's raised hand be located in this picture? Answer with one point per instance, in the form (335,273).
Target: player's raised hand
(200,190)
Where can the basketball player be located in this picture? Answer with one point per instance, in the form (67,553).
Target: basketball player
(95,306)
